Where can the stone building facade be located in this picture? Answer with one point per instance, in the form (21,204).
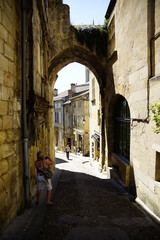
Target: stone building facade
(73,105)
(133,82)
(59,121)
(95,121)
(11,164)
(80,113)
(26,113)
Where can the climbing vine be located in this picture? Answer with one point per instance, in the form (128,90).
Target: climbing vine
(155,109)
(94,36)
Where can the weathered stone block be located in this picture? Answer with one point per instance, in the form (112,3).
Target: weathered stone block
(1,77)
(4,167)
(7,93)
(17,134)
(133,77)
(10,108)
(8,80)
(16,121)
(3,33)
(7,122)
(10,136)
(2,137)
(12,161)
(0,15)
(6,179)
(8,23)
(3,63)
(7,150)
(17,106)
(157,189)
(1,123)
(11,41)
(1,185)
(8,52)
(1,46)
(0,91)
(12,68)
(2,200)
(8,10)
(3,108)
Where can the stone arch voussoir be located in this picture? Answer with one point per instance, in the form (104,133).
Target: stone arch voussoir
(82,56)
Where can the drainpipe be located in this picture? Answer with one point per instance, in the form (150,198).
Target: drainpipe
(24,124)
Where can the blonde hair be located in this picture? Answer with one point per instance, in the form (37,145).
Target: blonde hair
(40,155)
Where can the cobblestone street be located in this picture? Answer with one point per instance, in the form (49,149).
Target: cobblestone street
(87,205)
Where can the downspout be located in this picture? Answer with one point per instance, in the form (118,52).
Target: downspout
(24,124)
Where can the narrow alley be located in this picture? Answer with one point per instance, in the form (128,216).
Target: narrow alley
(87,205)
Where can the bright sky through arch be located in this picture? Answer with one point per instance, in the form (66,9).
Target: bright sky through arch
(82,12)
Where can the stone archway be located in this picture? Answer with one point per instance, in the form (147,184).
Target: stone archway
(80,55)
(66,48)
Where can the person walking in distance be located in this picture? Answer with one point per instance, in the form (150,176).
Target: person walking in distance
(67,151)
(41,163)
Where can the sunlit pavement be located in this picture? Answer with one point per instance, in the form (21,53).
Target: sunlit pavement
(86,205)
(77,163)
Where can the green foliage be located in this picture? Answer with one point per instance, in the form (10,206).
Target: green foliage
(155,109)
(93,36)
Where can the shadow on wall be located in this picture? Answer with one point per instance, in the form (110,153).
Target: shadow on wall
(121,170)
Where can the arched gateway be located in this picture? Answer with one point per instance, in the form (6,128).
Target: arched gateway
(65,48)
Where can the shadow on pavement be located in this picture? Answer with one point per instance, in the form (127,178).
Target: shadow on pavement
(87,207)
(60,160)
(84,207)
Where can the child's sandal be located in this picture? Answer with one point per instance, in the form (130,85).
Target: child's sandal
(49,204)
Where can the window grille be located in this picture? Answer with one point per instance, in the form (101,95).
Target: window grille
(122,130)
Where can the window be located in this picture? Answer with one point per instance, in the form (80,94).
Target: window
(79,104)
(79,120)
(75,105)
(60,136)
(75,120)
(98,117)
(59,117)
(93,89)
(55,105)
(122,129)
(70,122)
(59,105)
(56,117)
(157,172)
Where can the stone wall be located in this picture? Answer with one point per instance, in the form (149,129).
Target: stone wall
(94,121)
(85,124)
(39,94)
(11,161)
(136,78)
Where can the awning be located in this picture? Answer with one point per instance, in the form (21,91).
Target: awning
(95,137)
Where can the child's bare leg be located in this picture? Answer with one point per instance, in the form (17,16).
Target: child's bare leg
(38,196)
(49,197)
